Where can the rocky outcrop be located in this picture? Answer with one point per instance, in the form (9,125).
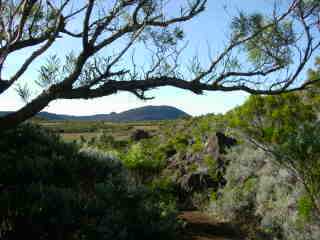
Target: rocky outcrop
(217,144)
(198,171)
(225,141)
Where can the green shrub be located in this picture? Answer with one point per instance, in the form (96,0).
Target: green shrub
(180,141)
(212,164)
(305,207)
(197,146)
(166,190)
(144,155)
(249,184)
(271,119)
(301,154)
(213,196)
(107,142)
(145,160)
(50,190)
(286,126)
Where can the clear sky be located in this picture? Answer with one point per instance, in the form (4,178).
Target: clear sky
(210,28)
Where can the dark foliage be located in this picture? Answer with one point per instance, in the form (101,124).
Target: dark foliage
(50,190)
(140,134)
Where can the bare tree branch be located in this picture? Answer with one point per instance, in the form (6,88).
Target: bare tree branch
(263,55)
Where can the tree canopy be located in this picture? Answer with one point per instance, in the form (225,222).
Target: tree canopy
(264,54)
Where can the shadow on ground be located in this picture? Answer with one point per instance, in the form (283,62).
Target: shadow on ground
(201,227)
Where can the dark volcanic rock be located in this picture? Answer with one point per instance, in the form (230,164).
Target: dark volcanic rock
(225,141)
(192,172)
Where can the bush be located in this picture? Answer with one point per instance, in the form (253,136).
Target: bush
(264,198)
(179,141)
(301,154)
(287,127)
(107,142)
(50,190)
(305,206)
(271,119)
(144,160)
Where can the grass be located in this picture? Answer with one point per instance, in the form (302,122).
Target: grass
(73,130)
(70,137)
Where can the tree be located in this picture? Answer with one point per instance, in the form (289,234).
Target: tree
(264,55)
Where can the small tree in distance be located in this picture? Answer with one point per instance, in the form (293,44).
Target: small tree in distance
(264,54)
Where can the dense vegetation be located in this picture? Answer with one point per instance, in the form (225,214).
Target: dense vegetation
(268,184)
(256,167)
(50,190)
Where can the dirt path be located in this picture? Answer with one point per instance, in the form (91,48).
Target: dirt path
(201,227)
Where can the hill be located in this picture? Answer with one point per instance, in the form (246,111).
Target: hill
(147,113)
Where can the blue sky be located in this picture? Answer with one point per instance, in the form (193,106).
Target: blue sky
(211,27)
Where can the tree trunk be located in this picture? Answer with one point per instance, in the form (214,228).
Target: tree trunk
(31,109)
(4,85)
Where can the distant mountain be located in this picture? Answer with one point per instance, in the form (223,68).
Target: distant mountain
(147,113)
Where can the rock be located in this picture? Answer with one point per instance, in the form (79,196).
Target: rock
(218,143)
(191,171)
(225,141)
(212,146)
